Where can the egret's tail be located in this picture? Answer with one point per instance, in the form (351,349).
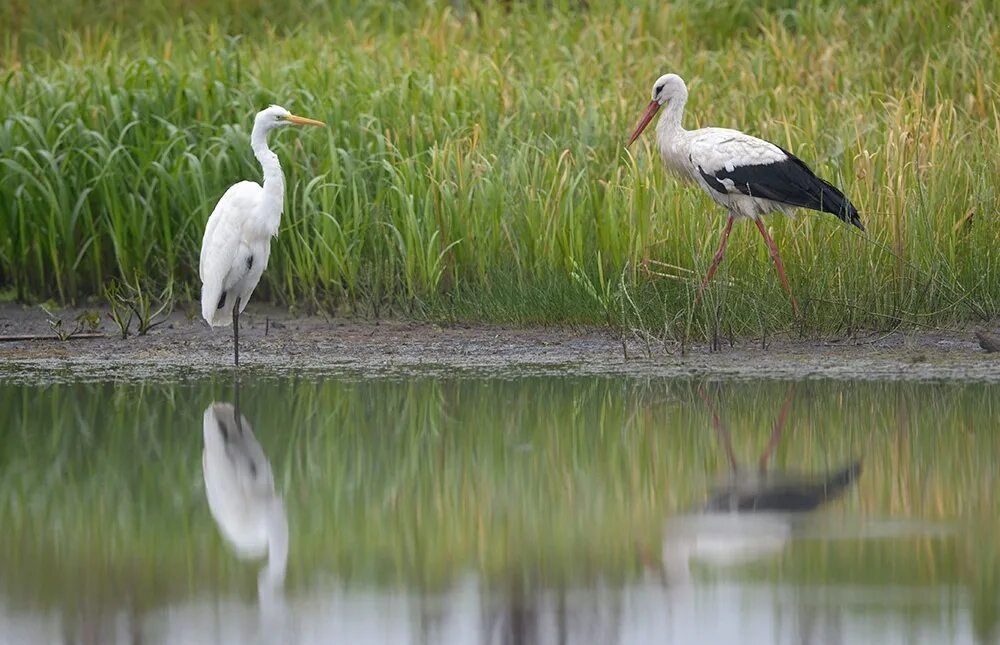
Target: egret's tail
(213,307)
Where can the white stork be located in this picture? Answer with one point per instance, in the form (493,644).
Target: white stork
(748,176)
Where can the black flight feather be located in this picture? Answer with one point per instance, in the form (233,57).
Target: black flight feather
(789,181)
(794,495)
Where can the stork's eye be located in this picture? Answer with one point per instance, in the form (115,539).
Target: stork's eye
(658,89)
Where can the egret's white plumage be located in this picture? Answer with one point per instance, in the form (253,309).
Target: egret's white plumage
(748,176)
(237,241)
(234,252)
(240,490)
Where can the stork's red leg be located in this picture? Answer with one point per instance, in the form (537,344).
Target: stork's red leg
(718,256)
(727,441)
(777,263)
(779,428)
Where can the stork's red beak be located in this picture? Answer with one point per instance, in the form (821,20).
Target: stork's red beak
(644,121)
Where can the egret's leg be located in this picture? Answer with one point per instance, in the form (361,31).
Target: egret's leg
(236,333)
(777,263)
(718,256)
(236,399)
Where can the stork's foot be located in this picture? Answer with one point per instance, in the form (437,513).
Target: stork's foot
(795,305)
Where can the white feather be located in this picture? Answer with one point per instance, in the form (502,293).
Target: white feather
(716,149)
(236,232)
(238,481)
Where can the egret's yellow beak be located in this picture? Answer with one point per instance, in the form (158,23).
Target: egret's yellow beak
(301,120)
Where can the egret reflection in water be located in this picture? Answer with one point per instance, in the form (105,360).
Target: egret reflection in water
(242,499)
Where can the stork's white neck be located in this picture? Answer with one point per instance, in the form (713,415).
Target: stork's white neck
(670,137)
(670,118)
(274,180)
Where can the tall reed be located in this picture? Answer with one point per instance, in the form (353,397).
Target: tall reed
(474,166)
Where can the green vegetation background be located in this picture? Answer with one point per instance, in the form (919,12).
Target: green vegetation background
(474,165)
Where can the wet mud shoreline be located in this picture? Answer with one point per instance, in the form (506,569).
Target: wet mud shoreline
(274,341)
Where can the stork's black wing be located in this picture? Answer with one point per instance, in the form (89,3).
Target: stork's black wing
(758,168)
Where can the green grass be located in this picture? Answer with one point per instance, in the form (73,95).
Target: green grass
(414,483)
(474,166)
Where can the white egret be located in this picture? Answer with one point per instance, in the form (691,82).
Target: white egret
(237,241)
(241,495)
(748,176)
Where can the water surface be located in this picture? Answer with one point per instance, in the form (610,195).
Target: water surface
(498,510)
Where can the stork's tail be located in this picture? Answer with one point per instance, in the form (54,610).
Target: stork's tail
(840,480)
(807,190)
(831,200)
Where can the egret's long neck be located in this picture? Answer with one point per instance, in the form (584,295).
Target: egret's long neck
(274,179)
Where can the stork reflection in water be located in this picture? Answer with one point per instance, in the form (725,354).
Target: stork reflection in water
(754,512)
(763,490)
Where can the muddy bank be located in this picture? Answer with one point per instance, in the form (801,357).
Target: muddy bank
(272,340)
